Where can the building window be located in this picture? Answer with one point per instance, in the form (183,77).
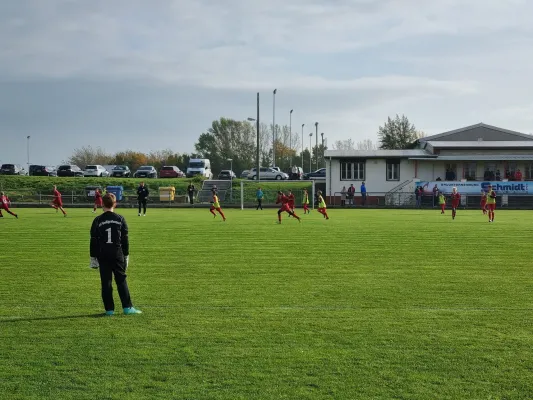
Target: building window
(352,170)
(529,171)
(490,172)
(469,171)
(510,172)
(451,172)
(393,170)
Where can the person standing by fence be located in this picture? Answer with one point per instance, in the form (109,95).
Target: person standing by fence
(190,192)
(351,194)
(363,194)
(259,196)
(343,196)
(142,198)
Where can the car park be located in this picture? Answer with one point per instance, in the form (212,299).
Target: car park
(42,170)
(267,173)
(146,171)
(227,174)
(318,174)
(69,171)
(171,171)
(95,170)
(12,169)
(121,171)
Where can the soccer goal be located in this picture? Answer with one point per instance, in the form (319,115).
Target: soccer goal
(249,191)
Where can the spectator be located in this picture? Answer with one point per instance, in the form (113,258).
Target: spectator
(518,175)
(498,176)
(363,193)
(435,195)
(343,196)
(418,195)
(438,179)
(351,193)
(259,196)
(190,192)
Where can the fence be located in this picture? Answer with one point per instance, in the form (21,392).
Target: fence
(246,198)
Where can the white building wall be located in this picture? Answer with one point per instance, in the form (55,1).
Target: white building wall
(375,176)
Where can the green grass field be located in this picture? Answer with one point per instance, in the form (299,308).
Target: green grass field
(377,304)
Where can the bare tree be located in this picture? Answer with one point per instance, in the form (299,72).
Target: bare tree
(347,144)
(366,144)
(88,155)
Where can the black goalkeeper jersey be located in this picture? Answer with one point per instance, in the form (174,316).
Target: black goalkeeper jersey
(109,236)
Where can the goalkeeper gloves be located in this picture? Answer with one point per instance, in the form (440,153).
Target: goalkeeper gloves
(94,263)
(127,261)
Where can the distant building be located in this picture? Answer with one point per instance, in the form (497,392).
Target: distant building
(471,156)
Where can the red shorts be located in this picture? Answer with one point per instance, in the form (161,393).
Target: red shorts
(483,204)
(57,203)
(4,207)
(491,206)
(285,207)
(98,202)
(455,205)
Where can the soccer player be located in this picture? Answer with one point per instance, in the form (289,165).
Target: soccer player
(4,205)
(284,201)
(442,202)
(215,206)
(109,251)
(491,203)
(322,205)
(97,200)
(142,196)
(291,200)
(306,202)
(483,202)
(259,195)
(57,203)
(456,198)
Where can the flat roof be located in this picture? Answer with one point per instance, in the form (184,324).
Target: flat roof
(376,153)
(482,144)
(488,157)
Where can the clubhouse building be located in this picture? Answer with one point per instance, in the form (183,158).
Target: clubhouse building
(469,158)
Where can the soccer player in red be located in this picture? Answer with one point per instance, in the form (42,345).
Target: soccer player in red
(98,203)
(456,198)
(4,205)
(291,200)
(484,202)
(322,205)
(306,202)
(215,205)
(284,201)
(491,202)
(57,203)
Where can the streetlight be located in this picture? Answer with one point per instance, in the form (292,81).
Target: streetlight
(303,147)
(28,151)
(274,129)
(290,138)
(231,177)
(316,128)
(310,151)
(322,134)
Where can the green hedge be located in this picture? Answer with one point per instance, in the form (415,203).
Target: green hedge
(44,184)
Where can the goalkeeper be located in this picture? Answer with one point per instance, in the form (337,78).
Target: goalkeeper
(110,253)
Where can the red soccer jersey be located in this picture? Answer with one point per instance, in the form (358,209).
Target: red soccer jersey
(282,199)
(97,195)
(57,195)
(291,200)
(4,201)
(483,198)
(456,197)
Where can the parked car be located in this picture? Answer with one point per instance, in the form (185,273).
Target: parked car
(245,173)
(121,171)
(95,170)
(146,171)
(318,174)
(227,174)
(267,173)
(296,173)
(42,170)
(12,169)
(171,171)
(69,170)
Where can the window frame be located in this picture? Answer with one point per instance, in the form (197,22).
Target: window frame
(392,162)
(352,174)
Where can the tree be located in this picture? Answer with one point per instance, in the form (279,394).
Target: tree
(347,144)
(133,159)
(88,155)
(397,133)
(366,144)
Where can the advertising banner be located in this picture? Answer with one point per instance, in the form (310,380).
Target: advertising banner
(473,187)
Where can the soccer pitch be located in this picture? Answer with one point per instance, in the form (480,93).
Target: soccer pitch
(374,304)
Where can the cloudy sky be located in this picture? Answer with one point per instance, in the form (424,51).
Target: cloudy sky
(149,75)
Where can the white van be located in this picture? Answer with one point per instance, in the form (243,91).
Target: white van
(199,166)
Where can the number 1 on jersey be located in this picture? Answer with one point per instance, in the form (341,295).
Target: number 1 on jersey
(109,241)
